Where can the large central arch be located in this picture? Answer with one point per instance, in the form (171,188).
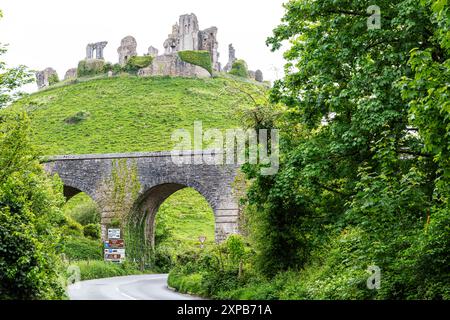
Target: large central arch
(150,201)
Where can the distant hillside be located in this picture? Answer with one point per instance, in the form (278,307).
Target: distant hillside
(127,114)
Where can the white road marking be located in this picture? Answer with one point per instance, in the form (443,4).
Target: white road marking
(125,295)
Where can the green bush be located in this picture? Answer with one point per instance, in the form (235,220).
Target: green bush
(100,269)
(239,69)
(163,261)
(77,118)
(138,62)
(199,58)
(116,68)
(213,272)
(108,67)
(90,67)
(30,217)
(92,231)
(72,228)
(191,283)
(53,79)
(79,248)
(82,209)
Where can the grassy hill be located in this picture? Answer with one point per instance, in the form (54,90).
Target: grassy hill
(126,114)
(130,114)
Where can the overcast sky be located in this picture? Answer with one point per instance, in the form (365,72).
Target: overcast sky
(54,33)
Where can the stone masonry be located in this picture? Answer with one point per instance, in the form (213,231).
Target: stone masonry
(231,58)
(127,49)
(172,65)
(159,177)
(97,48)
(43,77)
(71,74)
(186,35)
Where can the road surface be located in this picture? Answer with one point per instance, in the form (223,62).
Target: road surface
(142,287)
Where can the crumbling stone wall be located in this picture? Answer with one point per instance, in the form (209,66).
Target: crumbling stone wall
(44,77)
(172,65)
(127,49)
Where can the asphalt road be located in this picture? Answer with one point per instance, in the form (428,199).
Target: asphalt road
(142,287)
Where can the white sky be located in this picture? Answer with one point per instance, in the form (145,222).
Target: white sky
(54,33)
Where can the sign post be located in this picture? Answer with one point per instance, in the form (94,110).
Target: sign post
(114,247)
(113,233)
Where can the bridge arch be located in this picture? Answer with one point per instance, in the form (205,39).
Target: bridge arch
(151,199)
(70,192)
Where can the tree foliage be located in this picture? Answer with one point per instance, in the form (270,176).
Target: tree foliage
(30,217)
(365,142)
(239,69)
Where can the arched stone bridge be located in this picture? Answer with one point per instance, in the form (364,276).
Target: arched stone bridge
(159,178)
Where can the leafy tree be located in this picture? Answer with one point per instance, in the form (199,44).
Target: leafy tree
(30,217)
(11,79)
(364,143)
(239,69)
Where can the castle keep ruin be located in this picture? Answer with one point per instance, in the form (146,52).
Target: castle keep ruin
(127,49)
(185,36)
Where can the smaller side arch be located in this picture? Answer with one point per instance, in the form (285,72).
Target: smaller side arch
(70,192)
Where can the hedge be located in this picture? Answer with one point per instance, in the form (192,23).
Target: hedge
(200,58)
(138,62)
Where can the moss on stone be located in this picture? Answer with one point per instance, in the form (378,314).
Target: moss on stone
(199,58)
(90,67)
(138,62)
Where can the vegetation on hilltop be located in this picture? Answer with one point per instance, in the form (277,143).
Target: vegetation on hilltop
(200,58)
(128,114)
(239,69)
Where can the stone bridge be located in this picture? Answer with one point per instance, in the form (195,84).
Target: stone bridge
(159,177)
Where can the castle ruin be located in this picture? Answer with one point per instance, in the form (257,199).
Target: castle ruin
(97,48)
(185,36)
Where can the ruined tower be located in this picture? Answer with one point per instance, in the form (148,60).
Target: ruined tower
(188,33)
(231,58)
(127,49)
(208,42)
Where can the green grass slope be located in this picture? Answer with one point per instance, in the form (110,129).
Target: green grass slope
(182,218)
(127,114)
